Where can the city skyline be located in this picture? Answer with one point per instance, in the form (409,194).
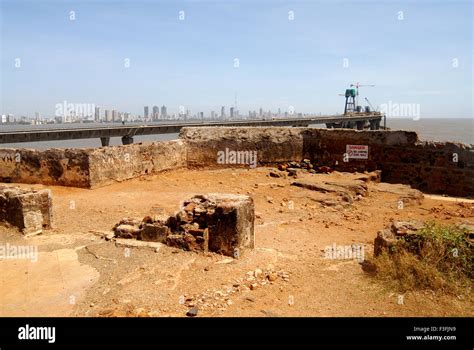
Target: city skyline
(94,113)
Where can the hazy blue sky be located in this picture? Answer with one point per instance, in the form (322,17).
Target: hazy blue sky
(191,62)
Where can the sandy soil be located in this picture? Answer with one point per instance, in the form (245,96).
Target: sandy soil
(79,273)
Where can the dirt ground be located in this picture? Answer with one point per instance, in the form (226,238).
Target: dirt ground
(78,273)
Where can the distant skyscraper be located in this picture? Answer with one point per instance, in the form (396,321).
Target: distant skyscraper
(260,112)
(108,116)
(164,113)
(115,116)
(37,116)
(145,112)
(222,112)
(156,112)
(231,112)
(97,114)
(279,112)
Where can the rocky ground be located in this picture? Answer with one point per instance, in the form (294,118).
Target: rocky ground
(298,216)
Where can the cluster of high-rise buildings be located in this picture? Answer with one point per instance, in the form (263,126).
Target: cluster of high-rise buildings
(7,119)
(113,116)
(12,119)
(156,113)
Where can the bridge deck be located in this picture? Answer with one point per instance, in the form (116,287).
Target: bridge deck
(127,132)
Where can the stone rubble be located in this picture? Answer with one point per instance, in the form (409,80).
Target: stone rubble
(218,300)
(293,169)
(407,231)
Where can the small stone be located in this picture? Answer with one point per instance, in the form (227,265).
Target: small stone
(257,273)
(274,174)
(192,312)
(253,286)
(272,276)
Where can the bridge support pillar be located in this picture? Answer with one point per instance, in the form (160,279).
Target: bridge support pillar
(374,124)
(127,140)
(105,141)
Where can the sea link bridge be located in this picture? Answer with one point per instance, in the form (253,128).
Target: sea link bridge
(127,132)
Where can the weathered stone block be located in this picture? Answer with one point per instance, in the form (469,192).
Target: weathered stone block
(384,241)
(231,227)
(30,211)
(127,231)
(154,233)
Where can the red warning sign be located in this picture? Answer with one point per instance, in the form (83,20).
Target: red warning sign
(357,151)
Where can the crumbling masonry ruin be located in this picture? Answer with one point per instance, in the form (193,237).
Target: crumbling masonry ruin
(220,223)
(224,223)
(28,210)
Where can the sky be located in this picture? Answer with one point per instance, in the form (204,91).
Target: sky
(272,54)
